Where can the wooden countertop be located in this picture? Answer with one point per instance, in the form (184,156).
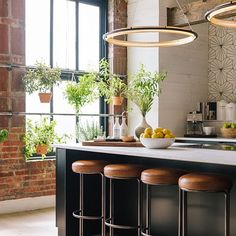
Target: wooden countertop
(175,152)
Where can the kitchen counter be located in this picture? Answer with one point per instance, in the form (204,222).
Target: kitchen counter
(214,140)
(175,152)
(165,201)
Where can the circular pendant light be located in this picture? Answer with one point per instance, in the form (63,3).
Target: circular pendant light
(213,14)
(187,36)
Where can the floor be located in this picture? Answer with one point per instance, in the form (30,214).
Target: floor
(32,223)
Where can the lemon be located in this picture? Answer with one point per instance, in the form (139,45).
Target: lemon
(168,136)
(166,131)
(155,135)
(160,135)
(172,136)
(146,135)
(158,130)
(148,131)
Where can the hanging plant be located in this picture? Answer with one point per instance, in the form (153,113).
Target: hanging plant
(42,79)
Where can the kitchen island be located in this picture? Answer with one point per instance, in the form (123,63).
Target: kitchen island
(205,210)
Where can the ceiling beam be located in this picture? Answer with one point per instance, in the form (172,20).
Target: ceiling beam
(194,11)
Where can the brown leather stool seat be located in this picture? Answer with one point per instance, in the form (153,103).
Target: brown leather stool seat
(204,182)
(156,176)
(88,166)
(83,168)
(122,171)
(161,176)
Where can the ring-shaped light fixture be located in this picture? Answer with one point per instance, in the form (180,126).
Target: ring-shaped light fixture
(223,8)
(189,36)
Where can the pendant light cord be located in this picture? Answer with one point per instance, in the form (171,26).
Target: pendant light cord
(182,10)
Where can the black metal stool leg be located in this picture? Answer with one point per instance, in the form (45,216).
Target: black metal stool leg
(185,215)
(81,205)
(148,210)
(139,193)
(111,208)
(227,213)
(180,223)
(103,226)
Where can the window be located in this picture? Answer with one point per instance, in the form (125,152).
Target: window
(67,34)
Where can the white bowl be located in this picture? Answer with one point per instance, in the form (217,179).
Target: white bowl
(157,142)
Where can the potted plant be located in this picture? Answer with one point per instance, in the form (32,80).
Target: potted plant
(3,135)
(39,137)
(83,92)
(142,89)
(113,88)
(42,79)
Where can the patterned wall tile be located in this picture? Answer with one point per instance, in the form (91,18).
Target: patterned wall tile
(222,63)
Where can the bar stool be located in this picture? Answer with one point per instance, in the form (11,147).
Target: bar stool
(157,176)
(89,167)
(203,182)
(122,172)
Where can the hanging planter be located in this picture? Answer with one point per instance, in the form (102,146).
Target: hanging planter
(42,79)
(117,101)
(45,97)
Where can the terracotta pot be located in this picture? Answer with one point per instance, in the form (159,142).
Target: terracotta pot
(45,97)
(42,149)
(117,101)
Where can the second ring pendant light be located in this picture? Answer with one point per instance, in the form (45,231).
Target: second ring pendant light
(213,14)
(187,35)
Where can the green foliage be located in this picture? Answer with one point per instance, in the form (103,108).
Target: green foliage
(41,79)
(3,135)
(143,87)
(40,133)
(83,92)
(109,84)
(88,131)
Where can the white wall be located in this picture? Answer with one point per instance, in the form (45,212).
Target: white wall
(142,13)
(186,66)
(187,82)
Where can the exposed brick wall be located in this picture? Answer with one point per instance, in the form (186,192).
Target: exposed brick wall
(117,18)
(18,178)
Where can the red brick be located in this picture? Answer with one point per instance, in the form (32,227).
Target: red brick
(18,104)
(18,9)
(17,84)
(9,149)
(12,143)
(17,41)
(4,104)
(4,121)
(3,79)
(4,8)
(4,48)
(18,121)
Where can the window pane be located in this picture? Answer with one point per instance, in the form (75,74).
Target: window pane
(64,34)
(37,31)
(88,37)
(33,105)
(65,124)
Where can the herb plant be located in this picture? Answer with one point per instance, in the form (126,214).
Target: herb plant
(41,79)
(88,131)
(83,92)
(40,133)
(143,87)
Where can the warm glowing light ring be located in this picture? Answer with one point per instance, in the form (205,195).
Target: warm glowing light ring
(223,8)
(110,36)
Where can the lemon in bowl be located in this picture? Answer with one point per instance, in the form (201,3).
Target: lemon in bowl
(158,138)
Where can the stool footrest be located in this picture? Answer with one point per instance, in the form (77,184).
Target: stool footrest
(144,234)
(115,226)
(77,214)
